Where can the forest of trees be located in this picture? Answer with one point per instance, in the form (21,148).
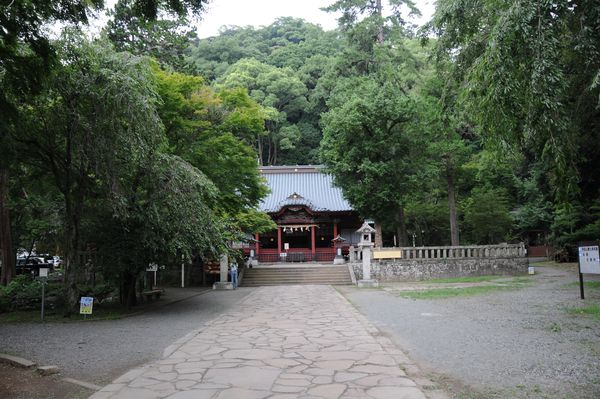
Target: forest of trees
(482,126)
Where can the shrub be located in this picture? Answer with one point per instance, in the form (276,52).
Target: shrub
(22,293)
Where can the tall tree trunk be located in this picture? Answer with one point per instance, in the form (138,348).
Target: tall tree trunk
(6,245)
(379,11)
(378,235)
(72,265)
(260,151)
(454,237)
(274,162)
(401,228)
(73,195)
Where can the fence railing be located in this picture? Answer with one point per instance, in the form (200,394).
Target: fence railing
(458,252)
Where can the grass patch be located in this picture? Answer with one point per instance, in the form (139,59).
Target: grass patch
(442,293)
(473,279)
(551,263)
(592,311)
(595,285)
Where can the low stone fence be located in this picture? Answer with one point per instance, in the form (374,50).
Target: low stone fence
(423,263)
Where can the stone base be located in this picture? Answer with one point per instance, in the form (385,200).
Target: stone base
(48,370)
(368,283)
(223,286)
(339,261)
(253,262)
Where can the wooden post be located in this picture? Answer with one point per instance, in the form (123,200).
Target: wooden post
(279,246)
(335,230)
(257,238)
(313,241)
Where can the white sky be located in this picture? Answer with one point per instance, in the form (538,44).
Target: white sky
(264,12)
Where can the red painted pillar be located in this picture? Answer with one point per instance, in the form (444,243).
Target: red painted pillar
(335,232)
(278,240)
(257,238)
(313,241)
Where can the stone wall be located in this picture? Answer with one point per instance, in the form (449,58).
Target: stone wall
(425,269)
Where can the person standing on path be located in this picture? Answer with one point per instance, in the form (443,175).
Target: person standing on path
(234,274)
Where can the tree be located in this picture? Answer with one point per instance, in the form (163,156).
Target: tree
(96,118)
(529,79)
(368,149)
(281,92)
(368,144)
(166,39)
(200,127)
(370,13)
(487,217)
(26,58)
(166,212)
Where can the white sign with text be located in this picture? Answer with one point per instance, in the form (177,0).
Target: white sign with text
(589,259)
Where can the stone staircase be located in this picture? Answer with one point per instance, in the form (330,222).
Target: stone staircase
(314,274)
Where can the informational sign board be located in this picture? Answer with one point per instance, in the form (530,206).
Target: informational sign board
(43,272)
(397,254)
(86,304)
(286,245)
(152,267)
(589,259)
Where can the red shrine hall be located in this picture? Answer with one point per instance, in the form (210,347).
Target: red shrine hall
(309,212)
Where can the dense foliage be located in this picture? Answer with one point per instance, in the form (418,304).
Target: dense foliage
(118,162)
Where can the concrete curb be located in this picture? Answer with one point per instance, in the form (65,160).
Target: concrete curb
(84,384)
(16,361)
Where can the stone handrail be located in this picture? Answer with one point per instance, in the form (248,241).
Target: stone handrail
(460,252)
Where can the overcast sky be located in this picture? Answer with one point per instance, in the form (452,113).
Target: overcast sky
(264,12)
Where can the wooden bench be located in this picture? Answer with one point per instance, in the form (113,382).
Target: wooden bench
(153,294)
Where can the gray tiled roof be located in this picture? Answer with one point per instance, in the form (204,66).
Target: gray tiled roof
(312,187)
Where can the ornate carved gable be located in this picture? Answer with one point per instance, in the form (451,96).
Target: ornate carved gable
(295,214)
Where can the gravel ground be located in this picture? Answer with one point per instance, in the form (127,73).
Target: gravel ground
(510,344)
(99,351)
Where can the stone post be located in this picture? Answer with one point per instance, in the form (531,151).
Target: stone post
(366,263)
(224,271)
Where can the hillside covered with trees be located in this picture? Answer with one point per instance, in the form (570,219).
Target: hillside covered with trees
(481,127)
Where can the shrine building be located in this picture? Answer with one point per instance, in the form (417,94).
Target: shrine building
(309,212)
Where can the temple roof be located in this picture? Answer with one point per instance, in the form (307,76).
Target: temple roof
(305,185)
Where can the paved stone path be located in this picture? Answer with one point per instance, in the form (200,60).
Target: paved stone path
(280,342)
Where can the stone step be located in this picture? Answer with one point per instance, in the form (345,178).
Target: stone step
(298,281)
(320,275)
(261,284)
(293,274)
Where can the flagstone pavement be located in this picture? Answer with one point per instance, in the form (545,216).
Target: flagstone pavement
(279,342)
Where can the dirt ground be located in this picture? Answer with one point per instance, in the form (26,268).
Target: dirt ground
(16,383)
(525,339)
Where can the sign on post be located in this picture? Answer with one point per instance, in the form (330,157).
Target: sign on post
(589,262)
(86,304)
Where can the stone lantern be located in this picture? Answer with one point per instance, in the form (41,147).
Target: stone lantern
(337,244)
(366,244)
